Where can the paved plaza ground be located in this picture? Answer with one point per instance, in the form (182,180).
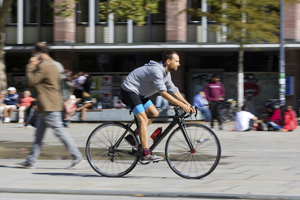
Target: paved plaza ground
(254,165)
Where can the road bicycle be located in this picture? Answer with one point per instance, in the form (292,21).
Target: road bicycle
(192,150)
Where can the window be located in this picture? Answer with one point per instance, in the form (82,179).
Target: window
(13,16)
(82,11)
(30,12)
(161,16)
(47,12)
(114,62)
(194,4)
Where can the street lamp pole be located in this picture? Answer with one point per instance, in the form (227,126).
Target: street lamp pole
(282,57)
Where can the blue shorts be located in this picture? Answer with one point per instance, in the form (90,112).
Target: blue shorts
(136,103)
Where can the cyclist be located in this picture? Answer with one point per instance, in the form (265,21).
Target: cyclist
(143,82)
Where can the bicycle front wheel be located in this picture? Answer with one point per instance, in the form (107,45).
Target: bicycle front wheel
(108,153)
(199,162)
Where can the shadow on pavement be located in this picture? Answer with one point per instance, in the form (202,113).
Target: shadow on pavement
(99,176)
(68,174)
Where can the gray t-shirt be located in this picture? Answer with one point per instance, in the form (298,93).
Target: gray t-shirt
(149,79)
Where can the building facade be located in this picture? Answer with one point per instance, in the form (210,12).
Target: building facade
(84,42)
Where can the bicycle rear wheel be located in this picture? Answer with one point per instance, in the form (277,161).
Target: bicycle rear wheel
(107,158)
(202,160)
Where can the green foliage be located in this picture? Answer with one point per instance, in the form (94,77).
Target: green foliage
(261,24)
(64,9)
(136,10)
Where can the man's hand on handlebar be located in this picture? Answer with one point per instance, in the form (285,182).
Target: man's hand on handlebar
(188,109)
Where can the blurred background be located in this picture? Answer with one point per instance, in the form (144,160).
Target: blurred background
(85,42)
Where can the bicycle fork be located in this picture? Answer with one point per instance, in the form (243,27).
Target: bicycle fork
(187,139)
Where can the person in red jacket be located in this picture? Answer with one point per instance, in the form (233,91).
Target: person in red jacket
(289,122)
(215,94)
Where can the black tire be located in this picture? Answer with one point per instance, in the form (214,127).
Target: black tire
(198,164)
(102,158)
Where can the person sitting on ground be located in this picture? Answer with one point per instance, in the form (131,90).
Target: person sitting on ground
(69,108)
(86,102)
(25,103)
(202,104)
(274,122)
(2,104)
(244,120)
(11,103)
(289,121)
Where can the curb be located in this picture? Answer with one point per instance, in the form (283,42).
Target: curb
(149,194)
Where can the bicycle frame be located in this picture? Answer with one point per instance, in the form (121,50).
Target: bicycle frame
(177,119)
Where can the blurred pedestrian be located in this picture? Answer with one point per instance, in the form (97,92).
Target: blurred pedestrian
(215,94)
(202,104)
(43,74)
(10,103)
(63,84)
(25,103)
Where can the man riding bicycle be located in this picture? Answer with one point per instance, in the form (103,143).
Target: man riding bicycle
(143,82)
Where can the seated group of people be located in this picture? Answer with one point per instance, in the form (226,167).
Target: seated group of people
(280,119)
(10,102)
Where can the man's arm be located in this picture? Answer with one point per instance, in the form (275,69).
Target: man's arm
(178,96)
(34,73)
(186,107)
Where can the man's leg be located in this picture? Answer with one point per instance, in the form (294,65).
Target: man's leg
(21,111)
(212,110)
(5,112)
(218,113)
(11,110)
(151,111)
(39,135)
(53,120)
(206,113)
(143,131)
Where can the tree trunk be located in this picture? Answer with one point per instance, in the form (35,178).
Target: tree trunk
(240,84)
(4,11)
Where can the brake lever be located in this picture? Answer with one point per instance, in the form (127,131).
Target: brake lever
(196,112)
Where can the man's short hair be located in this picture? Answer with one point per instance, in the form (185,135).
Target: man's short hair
(41,47)
(168,55)
(245,108)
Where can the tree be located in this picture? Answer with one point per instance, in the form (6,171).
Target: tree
(247,22)
(136,10)
(4,11)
